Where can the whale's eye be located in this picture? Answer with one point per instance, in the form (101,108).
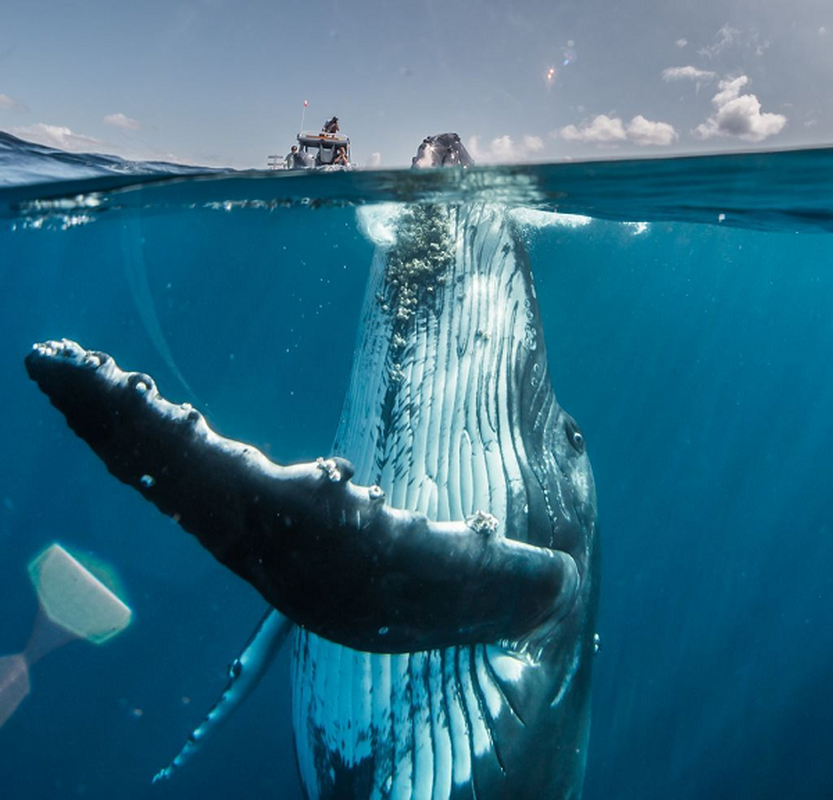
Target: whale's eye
(574,435)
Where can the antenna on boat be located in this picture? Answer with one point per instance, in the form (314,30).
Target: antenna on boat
(303,113)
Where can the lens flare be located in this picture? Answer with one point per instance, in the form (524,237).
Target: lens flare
(568,54)
(73,604)
(75,599)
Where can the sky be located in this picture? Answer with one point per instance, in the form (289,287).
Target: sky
(223,83)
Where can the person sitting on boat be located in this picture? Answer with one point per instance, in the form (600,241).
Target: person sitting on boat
(331,126)
(289,161)
(341,156)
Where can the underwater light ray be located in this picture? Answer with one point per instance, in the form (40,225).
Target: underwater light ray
(136,275)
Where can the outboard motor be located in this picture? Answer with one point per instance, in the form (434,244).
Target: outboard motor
(442,150)
(302,160)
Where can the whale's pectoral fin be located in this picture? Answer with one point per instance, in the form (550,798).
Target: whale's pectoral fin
(245,673)
(331,555)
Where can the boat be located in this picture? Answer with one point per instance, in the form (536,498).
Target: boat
(315,149)
(320,149)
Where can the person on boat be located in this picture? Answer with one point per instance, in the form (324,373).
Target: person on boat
(331,126)
(341,156)
(289,161)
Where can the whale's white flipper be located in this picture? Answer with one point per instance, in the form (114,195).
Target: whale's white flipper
(245,673)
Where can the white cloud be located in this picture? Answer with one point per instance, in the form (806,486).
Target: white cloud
(643,132)
(602,130)
(532,144)
(687,73)
(761,45)
(739,115)
(681,42)
(729,90)
(11,104)
(605,130)
(57,136)
(374,161)
(121,121)
(726,37)
(504,149)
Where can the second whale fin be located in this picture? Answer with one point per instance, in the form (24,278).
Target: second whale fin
(245,673)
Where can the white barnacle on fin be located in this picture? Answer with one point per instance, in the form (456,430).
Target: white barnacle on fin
(329,466)
(376,493)
(483,523)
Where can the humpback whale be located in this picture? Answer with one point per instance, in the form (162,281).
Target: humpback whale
(437,574)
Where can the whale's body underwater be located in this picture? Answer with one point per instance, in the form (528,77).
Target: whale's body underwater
(445,601)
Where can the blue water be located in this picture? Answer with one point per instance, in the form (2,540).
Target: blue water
(695,353)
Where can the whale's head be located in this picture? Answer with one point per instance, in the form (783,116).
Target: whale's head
(442,150)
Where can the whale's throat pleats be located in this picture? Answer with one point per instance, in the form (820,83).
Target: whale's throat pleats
(450,360)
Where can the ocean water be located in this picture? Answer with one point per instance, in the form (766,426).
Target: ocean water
(688,309)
